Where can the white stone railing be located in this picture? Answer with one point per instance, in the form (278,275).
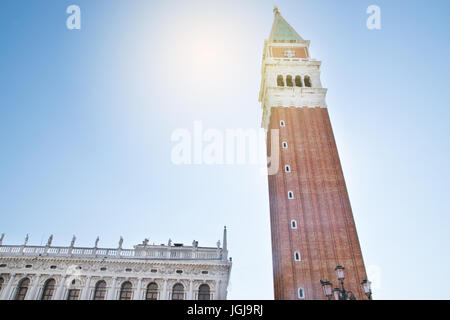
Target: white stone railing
(148,252)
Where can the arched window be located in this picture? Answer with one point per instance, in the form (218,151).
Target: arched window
(289,82)
(22,289)
(297,256)
(49,289)
(301,293)
(280,81)
(178,292)
(152,292)
(307,81)
(2,281)
(73,294)
(126,291)
(298,81)
(204,293)
(100,290)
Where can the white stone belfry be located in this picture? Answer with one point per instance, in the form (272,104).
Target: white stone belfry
(290,78)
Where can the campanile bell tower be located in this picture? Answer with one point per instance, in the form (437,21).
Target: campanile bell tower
(312,224)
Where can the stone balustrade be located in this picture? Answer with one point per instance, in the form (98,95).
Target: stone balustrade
(151,252)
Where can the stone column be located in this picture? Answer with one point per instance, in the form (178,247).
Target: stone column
(164,291)
(191,290)
(32,294)
(59,292)
(217,292)
(85,295)
(112,290)
(138,294)
(7,290)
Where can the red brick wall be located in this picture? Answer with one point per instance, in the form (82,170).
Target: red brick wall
(278,52)
(326,233)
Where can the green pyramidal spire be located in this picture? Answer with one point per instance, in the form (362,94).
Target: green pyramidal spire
(281,30)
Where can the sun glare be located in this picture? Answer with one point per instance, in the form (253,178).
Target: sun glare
(201,52)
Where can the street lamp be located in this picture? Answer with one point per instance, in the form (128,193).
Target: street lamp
(340,272)
(327,291)
(339,292)
(367,289)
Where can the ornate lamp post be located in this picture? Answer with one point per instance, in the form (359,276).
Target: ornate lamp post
(340,293)
(327,291)
(367,290)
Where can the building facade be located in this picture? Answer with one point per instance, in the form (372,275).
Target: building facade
(312,224)
(148,272)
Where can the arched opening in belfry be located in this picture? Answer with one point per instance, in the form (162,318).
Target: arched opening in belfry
(298,81)
(289,82)
(280,81)
(308,82)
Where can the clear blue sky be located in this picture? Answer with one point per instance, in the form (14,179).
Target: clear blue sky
(86,119)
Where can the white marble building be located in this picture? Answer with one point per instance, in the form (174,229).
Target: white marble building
(147,272)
